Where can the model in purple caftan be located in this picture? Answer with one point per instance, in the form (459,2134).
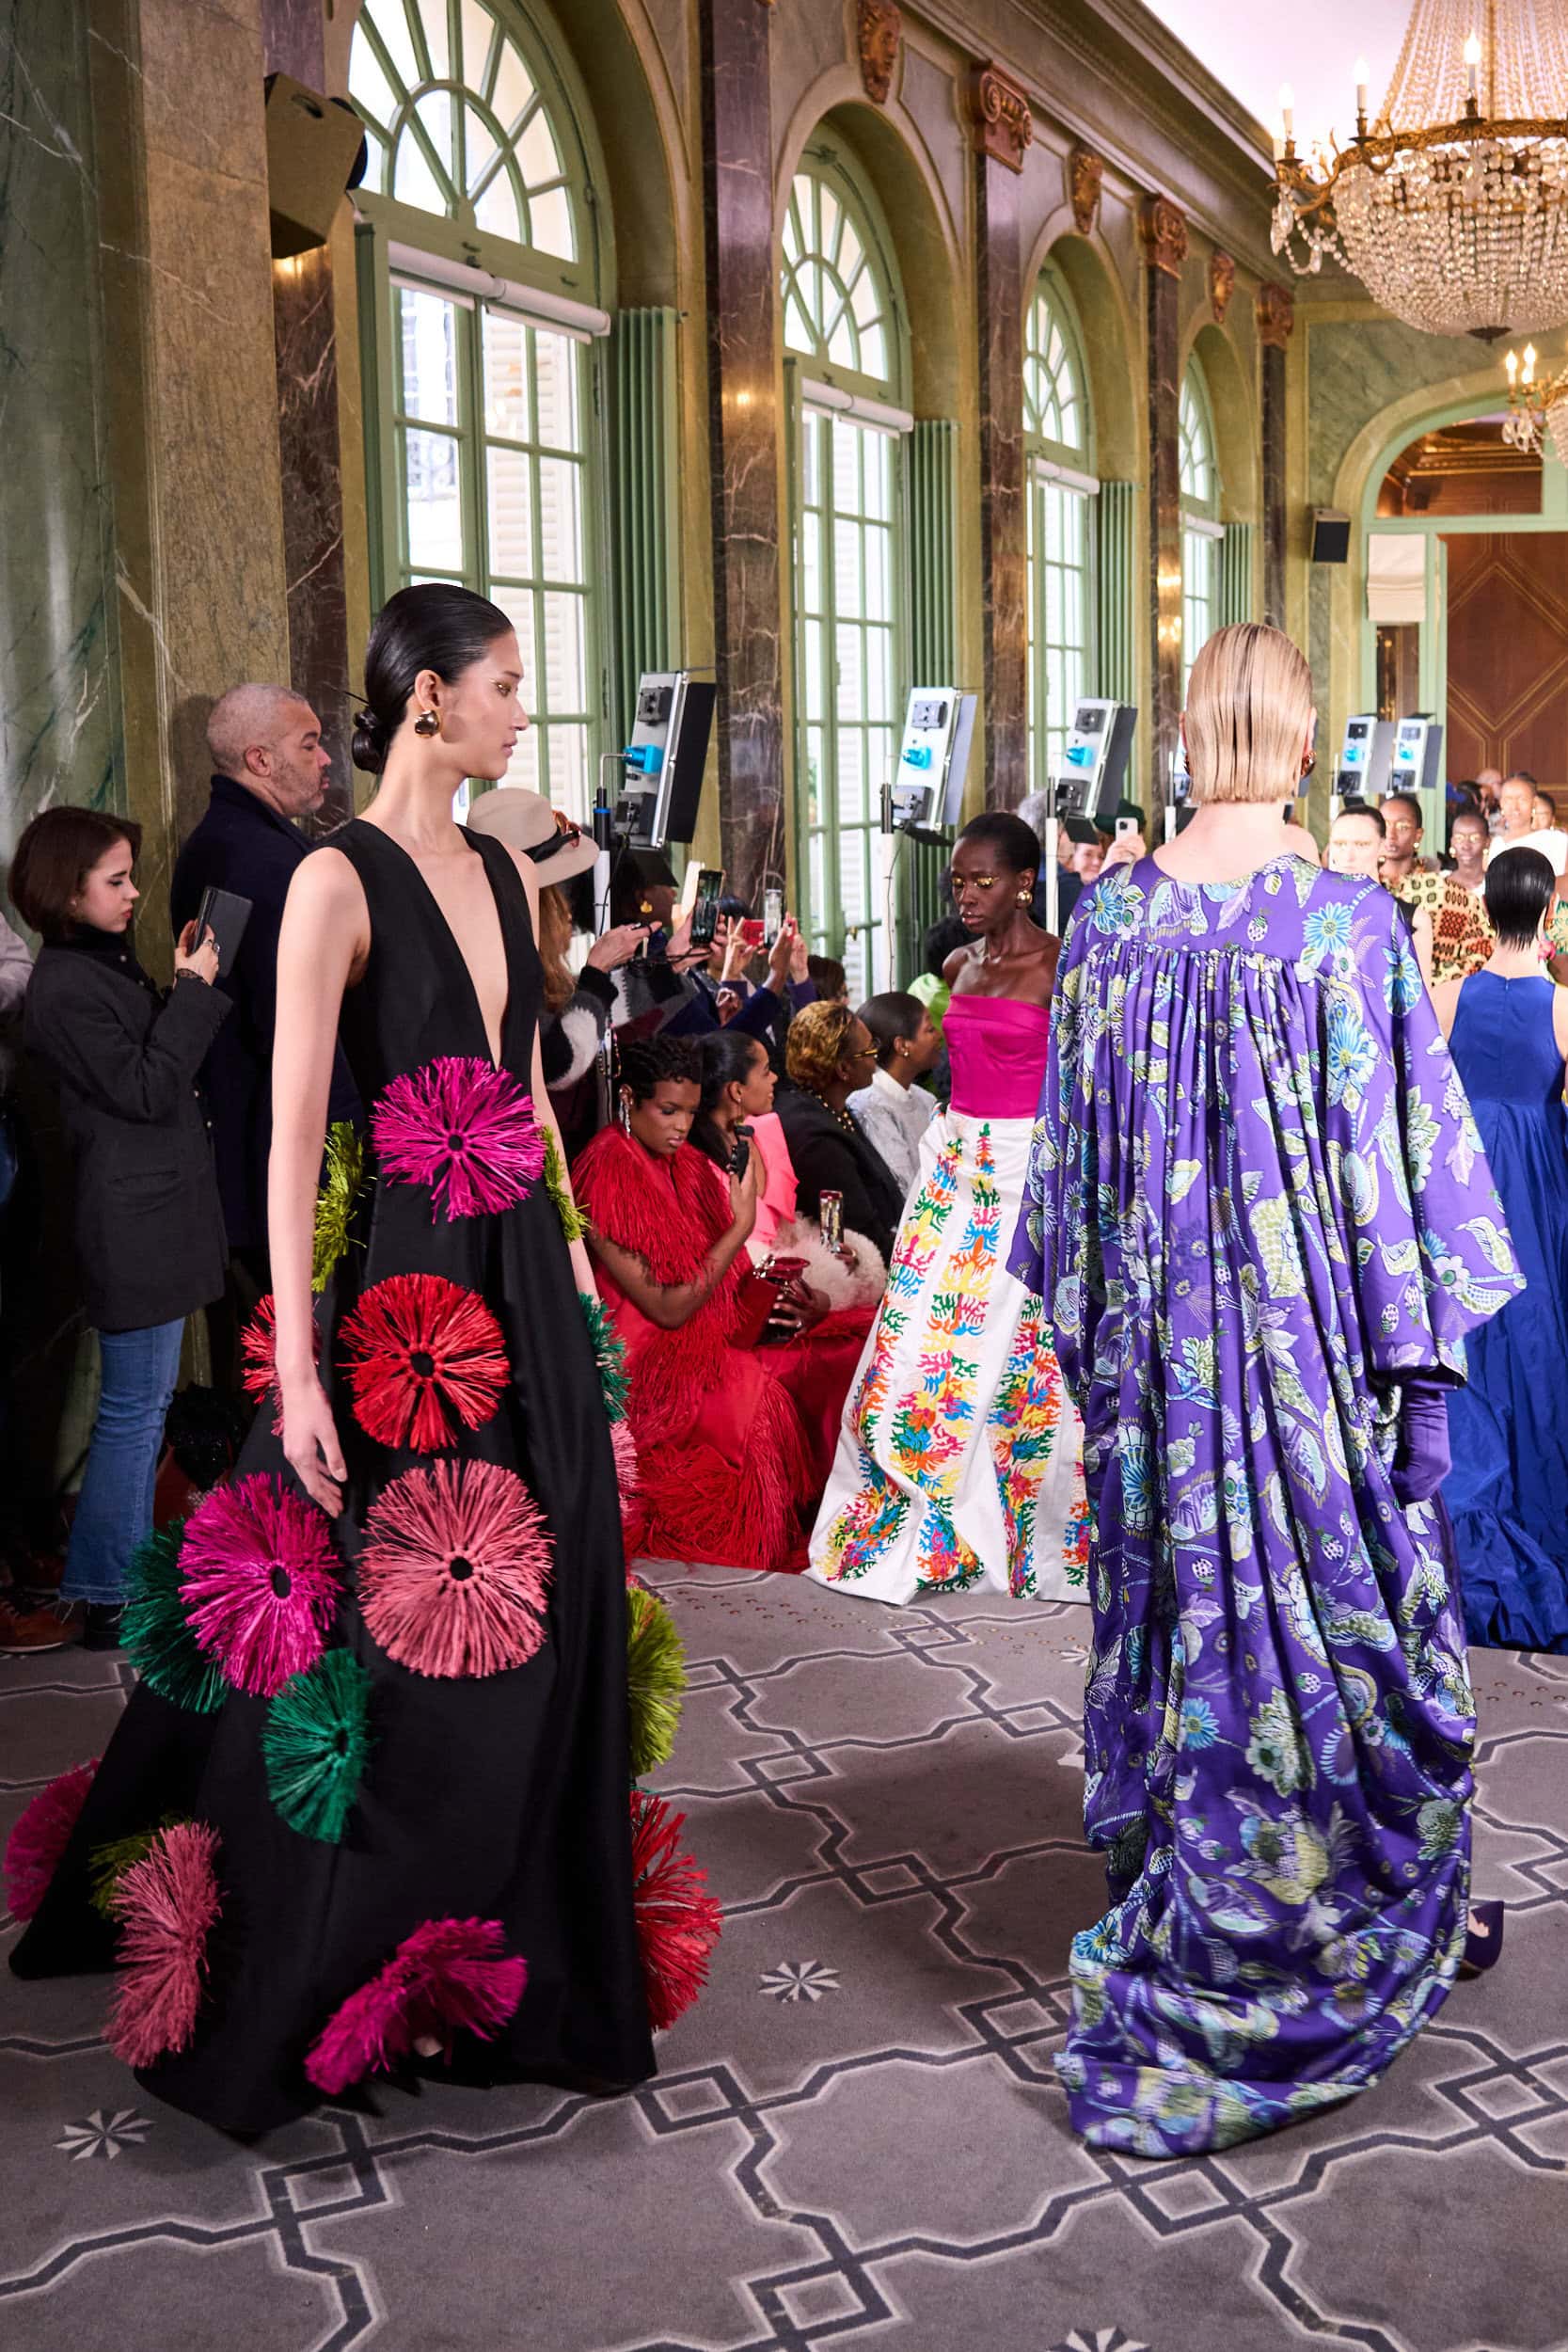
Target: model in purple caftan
(1257,1204)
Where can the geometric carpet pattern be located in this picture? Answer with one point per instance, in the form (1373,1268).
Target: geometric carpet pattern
(856,2139)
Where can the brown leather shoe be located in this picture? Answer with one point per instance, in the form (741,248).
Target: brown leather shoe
(23,1632)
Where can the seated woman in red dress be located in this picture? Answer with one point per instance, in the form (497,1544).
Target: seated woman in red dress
(728,1469)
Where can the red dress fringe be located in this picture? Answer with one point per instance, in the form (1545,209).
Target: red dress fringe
(725,1468)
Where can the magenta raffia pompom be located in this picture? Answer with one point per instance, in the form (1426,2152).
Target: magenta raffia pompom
(41,1835)
(168,1903)
(450,1976)
(466,1129)
(259,1581)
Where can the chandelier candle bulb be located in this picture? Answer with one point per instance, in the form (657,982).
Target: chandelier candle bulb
(1288,110)
(1472,66)
(1363,80)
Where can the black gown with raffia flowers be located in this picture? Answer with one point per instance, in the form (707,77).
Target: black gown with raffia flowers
(442,1789)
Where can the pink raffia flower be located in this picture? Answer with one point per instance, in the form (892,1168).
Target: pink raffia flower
(259,1582)
(426,1357)
(464,1128)
(455,1568)
(450,1976)
(677,1923)
(41,1835)
(628,1483)
(168,1903)
(259,1357)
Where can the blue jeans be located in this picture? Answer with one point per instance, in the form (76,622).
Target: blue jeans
(114,1510)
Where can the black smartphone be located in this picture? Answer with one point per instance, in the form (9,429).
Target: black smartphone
(741,1152)
(704,907)
(225,913)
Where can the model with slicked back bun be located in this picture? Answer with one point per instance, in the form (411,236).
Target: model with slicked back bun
(434,626)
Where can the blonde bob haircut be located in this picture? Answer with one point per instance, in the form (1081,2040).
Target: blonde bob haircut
(1249,712)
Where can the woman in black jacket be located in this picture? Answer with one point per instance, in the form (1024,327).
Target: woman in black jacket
(149,1229)
(830,1053)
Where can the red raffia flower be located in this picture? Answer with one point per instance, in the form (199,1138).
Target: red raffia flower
(168,1902)
(450,1976)
(464,1128)
(40,1835)
(455,1568)
(259,1357)
(259,1578)
(424,1356)
(678,1924)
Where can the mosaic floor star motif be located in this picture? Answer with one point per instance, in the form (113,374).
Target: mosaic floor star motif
(105,2135)
(856,2142)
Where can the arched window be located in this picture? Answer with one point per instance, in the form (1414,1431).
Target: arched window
(843,334)
(1058,440)
(481,271)
(1201,529)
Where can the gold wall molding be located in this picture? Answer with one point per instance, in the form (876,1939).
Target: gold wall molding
(1086,180)
(1002,118)
(878,29)
(1163,232)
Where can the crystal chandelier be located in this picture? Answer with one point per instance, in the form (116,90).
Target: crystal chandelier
(1536,409)
(1451,206)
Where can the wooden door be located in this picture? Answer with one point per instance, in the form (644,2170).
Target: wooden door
(1508,654)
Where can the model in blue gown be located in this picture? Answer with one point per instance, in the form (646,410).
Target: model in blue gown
(1507,1490)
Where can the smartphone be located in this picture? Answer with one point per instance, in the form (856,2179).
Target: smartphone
(225,913)
(1126,825)
(773,915)
(740,1151)
(704,906)
(753,931)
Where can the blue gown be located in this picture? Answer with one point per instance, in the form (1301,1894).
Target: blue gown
(1508,1491)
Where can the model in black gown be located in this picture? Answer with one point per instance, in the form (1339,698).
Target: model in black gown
(492,1796)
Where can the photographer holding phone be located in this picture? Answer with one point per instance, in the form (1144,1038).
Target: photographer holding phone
(270,771)
(124,1054)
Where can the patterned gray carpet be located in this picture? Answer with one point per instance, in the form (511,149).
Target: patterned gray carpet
(857,2139)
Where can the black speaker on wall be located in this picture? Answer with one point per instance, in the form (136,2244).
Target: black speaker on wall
(315,149)
(1330,535)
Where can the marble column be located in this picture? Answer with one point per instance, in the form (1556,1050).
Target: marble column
(738,203)
(58,710)
(305,338)
(1164,233)
(1276,316)
(1003,128)
(180,150)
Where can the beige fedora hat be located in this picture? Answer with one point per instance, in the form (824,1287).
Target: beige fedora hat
(525,821)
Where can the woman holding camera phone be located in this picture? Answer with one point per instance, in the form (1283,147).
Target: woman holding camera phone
(150,1237)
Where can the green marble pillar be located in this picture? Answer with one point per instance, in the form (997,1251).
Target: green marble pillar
(58,708)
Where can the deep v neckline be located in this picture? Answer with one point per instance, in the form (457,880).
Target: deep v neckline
(497,1060)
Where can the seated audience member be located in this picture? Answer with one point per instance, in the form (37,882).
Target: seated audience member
(831,1054)
(124,1056)
(727,998)
(269,770)
(892,1111)
(836,1290)
(724,1464)
(1507,1486)
(1461,940)
(1519,830)
(830,980)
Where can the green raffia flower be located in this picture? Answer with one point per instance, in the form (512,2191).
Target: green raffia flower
(105,1863)
(656,1679)
(336,1201)
(158,1642)
(608,1354)
(314,1745)
(573,1222)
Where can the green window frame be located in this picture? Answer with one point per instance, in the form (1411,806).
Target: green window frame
(844,334)
(1201,529)
(1058,432)
(485,440)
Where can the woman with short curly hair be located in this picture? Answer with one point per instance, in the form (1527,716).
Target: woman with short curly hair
(830,1053)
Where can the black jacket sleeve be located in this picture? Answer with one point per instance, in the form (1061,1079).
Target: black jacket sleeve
(828,1163)
(135,1078)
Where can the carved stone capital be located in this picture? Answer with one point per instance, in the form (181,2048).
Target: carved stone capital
(1276,312)
(1221,284)
(878,29)
(1163,228)
(1002,119)
(1086,172)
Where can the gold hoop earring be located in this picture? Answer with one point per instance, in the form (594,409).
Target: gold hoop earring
(428,723)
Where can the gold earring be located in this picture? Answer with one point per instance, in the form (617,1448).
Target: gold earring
(1026,898)
(428,723)
(624,1114)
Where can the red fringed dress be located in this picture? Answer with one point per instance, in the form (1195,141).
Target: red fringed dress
(389,1796)
(733,1444)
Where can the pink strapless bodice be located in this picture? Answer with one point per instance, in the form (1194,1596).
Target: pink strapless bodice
(998,1049)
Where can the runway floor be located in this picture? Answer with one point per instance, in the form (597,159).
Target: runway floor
(856,2139)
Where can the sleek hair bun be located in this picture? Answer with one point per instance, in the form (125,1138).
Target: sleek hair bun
(433,626)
